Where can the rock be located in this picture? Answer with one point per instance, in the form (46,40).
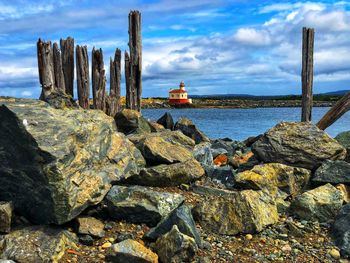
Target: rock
(182,218)
(247,211)
(157,150)
(345,189)
(248,236)
(189,129)
(131,121)
(228,147)
(155,127)
(218,151)
(224,175)
(175,247)
(130,251)
(344,139)
(61,101)
(6,209)
(274,176)
(334,253)
(169,175)
(238,160)
(90,226)
(137,204)
(106,245)
(322,203)
(36,244)
(299,144)
(63,160)
(220,160)
(86,240)
(202,153)
(167,121)
(6,261)
(334,172)
(173,137)
(341,231)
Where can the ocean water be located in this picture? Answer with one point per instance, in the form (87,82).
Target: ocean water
(239,124)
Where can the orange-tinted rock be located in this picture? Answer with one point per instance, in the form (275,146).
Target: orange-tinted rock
(238,160)
(220,160)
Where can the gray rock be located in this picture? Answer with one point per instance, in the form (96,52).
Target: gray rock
(202,153)
(6,261)
(217,151)
(299,144)
(137,204)
(189,129)
(182,218)
(344,139)
(341,231)
(227,146)
(322,204)
(63,160)
(131,121)
(334,172)
(169,175)
(6,209)
(86,240)
(223,174)
(175,247)
(36,244)
(167,121)
(90,226)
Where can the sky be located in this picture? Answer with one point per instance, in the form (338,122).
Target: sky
(215,47)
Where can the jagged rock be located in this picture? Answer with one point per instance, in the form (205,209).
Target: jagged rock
(137,204)
(5,216)
(167,121)
(155,127)
(55,163)
(202,153)
(131,121)
(220,160)
(208,190)
(130,251)
(157,150)
(243,159)
(224,175)
(168,175)
(218,151)
(90,226)
(173,137)
(175,247)
(344,139)
(189,129)
(36,244)
(345,189)
(322,204)
(274,176)
(334,172)
(86,240)
(341,231)
(182,218)
(247,211)
(299,144)
(227,146)
(61,101)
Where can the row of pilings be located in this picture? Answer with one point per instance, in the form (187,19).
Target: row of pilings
(56,71)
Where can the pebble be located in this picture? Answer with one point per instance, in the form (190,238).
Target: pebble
(286,248)
(249,237)
(334,253)
(106,245)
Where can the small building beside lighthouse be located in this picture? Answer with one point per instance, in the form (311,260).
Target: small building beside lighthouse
(179,96)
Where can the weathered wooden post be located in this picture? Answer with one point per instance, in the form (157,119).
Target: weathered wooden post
(135,46)
(113,100)
(307,73)
(338,110)
(98,80)
(57,65)
(128,96)
(67,53)
(83,81)
(46,68)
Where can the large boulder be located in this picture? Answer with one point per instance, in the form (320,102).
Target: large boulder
(202,153)
(247,211)
(90,226)
(167,121)
(341,231)
(137,204)
(168,175)
(55,163)
(322,204)
(189,129)
(227,146)
(223,175)
(344,139)
(131,121)
(175,247)
(274,176)
(299,144)
(36,244)
(334,172)
(6,209)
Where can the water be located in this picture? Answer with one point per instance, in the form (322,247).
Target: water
(239,124)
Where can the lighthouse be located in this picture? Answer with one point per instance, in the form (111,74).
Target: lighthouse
(179,96)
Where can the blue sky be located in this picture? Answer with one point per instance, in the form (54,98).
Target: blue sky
(232,46)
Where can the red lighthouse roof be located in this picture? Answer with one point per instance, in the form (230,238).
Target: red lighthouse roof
(177,91)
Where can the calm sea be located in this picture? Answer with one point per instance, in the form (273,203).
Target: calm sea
(239,124)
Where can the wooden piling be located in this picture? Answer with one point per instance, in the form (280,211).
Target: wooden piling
(58,71)
(135,46)
(98,80)
(83,81)
(113,101)
(129,94)
(307,73)
(67,53)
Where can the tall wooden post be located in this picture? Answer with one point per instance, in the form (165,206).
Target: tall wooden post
(307,73)
(113,101)
(98,80)
(128,96)
(67,53)
(135,46)
(83,81)
(57,65)
(46,68)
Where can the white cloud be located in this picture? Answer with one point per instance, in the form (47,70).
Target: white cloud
(253,37)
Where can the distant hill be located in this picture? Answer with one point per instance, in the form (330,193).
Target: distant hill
(338,92)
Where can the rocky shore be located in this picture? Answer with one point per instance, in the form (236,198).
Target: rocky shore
(79,186)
